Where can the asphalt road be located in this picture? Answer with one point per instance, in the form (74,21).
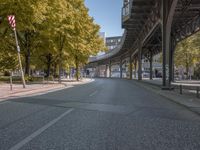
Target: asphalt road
(108,114)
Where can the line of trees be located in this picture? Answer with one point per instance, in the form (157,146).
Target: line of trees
(187,54)
(53,35)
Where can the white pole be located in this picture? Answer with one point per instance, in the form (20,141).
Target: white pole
(19,58)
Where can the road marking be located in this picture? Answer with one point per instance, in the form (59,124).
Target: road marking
(95,92)
(39,131)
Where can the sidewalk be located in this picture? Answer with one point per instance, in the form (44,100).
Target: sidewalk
(158,81)
(186,90)
(32,89)
(187,100)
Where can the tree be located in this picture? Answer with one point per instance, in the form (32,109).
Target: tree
(60,25)
(52,34)
(8,53)
(86,39)
(8,61)
(28,15)
(188,52)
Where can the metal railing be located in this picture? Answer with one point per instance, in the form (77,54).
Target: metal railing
(126,11)
(110,53)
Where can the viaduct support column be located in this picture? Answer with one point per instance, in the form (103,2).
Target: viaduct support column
(131,67)
(173,46)
(106,71)
(98,71)
(110,65)
(151,65)
(140,62)
(120,66)
(167,13)
(135,67)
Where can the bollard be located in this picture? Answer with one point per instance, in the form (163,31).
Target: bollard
(181,89)
(197,92)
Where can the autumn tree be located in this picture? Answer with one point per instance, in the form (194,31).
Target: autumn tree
(52,34)
(28,15)
(86,39)
(60,26)
(187,52)
(8,55)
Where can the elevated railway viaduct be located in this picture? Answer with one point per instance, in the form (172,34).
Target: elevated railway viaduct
(151,27)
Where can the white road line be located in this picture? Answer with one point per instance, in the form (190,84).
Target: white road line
(95,92)
(39,131)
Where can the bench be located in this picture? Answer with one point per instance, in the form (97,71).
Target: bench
(182,85)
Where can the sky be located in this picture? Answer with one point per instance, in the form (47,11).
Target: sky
(106,13)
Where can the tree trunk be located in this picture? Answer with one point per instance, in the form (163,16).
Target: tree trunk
(187,69)
(27,56)
(54,70)
(77,68)
(49,60)
(135,67)
(27,63)
(62,41)
(60,67)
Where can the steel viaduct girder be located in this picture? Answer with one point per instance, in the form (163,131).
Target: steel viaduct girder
(153,26)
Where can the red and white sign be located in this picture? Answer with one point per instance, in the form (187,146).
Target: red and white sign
(11,19)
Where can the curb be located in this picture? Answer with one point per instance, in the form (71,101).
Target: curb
(141,84)
(3,99)
(64,86)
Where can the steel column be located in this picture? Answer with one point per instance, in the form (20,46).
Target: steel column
(171,62)
(130,67)
(106,72)
(97,71)
(140,62)
(110,65)
(151,65)
(135,65)
(167,11)
(120,66)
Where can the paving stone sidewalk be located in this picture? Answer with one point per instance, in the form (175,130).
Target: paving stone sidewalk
(187,100)
(39,88)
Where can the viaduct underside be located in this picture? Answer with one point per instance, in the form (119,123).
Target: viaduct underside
(151,27)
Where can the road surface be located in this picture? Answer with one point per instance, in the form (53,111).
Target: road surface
(107,114)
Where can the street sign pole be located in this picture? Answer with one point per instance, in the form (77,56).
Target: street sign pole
(19,59)
(12,22)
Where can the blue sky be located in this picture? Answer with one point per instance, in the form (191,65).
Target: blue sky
(107,13)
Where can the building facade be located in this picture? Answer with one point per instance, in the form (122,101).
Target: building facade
(157,66)
(113,42)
